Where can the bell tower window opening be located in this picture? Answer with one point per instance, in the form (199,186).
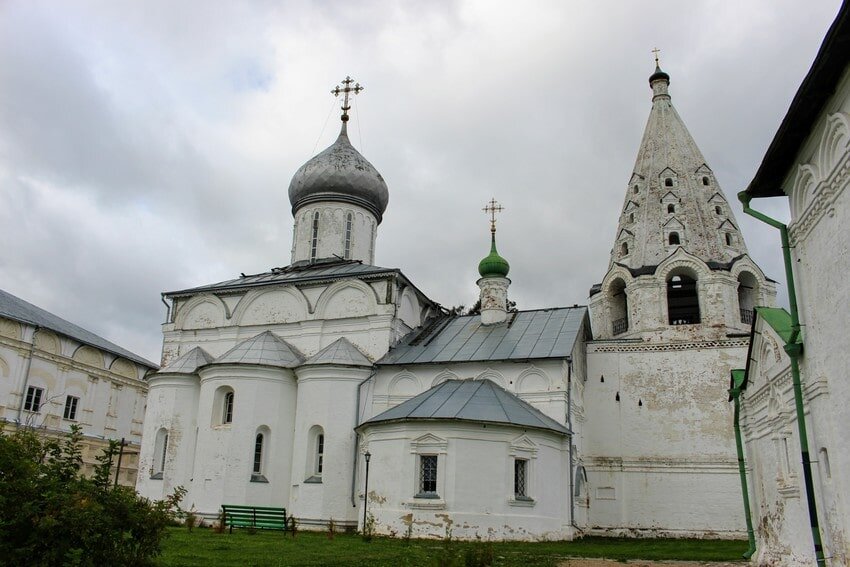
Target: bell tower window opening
(673,238)
(718,210)
(728,239)
(747,293)
(348,221)
(671,208)
(631,217)
(618,303)
(682,300)
(636,189)
(668,182)
(705,181)
(624,249)
(314,240)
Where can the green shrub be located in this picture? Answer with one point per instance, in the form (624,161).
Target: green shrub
(51,515)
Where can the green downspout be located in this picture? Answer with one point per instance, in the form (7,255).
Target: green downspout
(735,392)
(794,348)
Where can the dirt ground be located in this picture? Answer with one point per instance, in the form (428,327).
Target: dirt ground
(580,562)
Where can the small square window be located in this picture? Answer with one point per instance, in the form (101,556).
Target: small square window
(34,396)
(71,403)
(427,476)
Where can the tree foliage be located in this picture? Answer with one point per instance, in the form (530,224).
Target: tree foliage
(51,515)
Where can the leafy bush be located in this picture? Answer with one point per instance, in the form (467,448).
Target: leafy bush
(51,515)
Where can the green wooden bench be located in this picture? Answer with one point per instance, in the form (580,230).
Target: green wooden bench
(257,517)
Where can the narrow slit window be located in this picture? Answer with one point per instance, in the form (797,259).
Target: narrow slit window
(668,182)
(71,408)
(674,238)
(718,210)
(624,249)
(705,181)
(728,239)
(163,453)
(320,453)
(227,410)
(258,454)
(671,208)
(348,220)
(636,189)
(631,217)
(34,397)
(314,242)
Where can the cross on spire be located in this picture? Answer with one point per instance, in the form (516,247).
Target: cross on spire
(656,51)
(491,209)
(345,90)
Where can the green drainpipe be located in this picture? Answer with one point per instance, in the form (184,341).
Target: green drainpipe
(794,348)
(735,393)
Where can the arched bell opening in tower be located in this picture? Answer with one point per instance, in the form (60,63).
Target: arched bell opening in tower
(747,294)
(619,307)
(682,300)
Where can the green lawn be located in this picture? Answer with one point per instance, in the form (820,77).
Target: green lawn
(205,548)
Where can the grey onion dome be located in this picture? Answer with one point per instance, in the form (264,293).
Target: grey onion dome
(340,173)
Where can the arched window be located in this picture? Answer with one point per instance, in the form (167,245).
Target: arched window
(705,180)
(747,293)
(160,451)
(682,300)
(624,249)
(314,242)
(348,220)
(227,408)
(619,307)
(315,454)
(671,208)
(718,210)
(668,182)
(673,238)
(258,454)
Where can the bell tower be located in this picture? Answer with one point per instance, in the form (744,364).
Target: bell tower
(679,264)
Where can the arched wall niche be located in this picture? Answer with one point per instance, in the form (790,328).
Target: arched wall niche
(123,367)
(533,380)
(805,186)
(10,329)
(4,368)
(202,312)
(47,341)
(351,298)
(404,384)
(493,376)
(409,308)
(443,376)
(89,355)
(282,305)
(835,142)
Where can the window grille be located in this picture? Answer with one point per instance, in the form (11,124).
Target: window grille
(348,219)
(71,408)
(620,326)
(33,401)
(227,413)
(520,478)
(428,475)
(164,453)
(258,454)
(315,240)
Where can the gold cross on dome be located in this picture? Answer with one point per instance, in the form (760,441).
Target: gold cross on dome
(491,209)
(345,90)
(656,51)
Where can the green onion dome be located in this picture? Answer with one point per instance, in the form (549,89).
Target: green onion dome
(493,265)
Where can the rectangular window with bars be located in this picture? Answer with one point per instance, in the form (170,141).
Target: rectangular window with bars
(71,403)
(427,476)
(520,479)
(34,396)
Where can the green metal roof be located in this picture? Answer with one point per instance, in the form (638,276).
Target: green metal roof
(778,319)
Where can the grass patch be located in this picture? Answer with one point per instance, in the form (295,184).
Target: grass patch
(205,548)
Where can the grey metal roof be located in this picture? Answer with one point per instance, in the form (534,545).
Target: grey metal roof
(544,333)
(341,352)
(189,362)
(339,173)
(299,272)
(15,308)
(469,400)
(266,349)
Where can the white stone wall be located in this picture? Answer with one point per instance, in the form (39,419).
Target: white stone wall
(472,504)
(661,460)
(331,236)
(817,187)
(111,389)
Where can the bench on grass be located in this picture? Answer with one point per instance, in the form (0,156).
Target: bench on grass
(257,517)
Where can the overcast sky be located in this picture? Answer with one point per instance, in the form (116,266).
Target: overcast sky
(148,146)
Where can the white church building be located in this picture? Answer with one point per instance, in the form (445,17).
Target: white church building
(527,425)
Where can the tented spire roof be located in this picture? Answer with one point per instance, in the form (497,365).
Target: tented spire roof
(671,181)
